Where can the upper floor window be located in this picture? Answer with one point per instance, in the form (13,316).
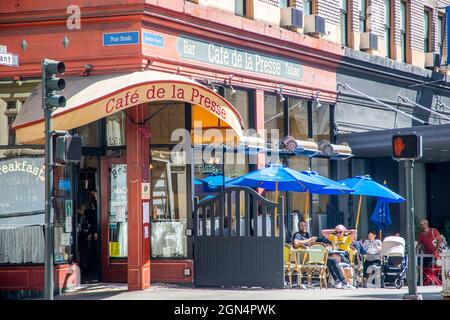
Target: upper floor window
(344,23)
(426,30)
(403,26)
(308,7)
(387,27)
(440,34)
(362,16)
(284,3)
(240,8)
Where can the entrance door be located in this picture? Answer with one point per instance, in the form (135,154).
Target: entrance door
(230,249)
(114,219)
(88,230)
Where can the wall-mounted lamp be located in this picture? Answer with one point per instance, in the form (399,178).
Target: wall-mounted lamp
(279,93)
(210,83)
(86,70)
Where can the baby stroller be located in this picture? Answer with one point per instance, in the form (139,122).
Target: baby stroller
(395,263)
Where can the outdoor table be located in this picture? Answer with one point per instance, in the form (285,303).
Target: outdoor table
(421,256)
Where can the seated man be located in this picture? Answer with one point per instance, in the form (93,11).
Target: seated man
(301,239)
(342,238)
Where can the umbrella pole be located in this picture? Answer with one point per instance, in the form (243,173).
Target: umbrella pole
(276,208)
(380,234)
(359,211)
(306,215)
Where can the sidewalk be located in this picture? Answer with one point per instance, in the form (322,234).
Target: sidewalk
(108,291)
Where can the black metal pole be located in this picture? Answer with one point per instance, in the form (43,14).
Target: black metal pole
(410,231)
(48,274)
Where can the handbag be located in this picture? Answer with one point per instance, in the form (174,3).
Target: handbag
(443,247)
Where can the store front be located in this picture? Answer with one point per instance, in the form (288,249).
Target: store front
(140,187)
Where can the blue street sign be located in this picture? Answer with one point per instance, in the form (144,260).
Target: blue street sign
(120,38)
(152,39)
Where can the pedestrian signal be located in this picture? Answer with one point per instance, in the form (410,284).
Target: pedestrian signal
(407,146)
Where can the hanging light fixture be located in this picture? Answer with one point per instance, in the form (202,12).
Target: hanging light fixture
(316,99)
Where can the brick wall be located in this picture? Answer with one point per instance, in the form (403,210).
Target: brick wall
(375,17)
(328,9)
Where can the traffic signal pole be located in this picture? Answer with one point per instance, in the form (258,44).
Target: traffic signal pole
(49,230)
(50,101)
(410,232)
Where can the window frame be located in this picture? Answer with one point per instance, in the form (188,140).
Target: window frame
(244,8)
(388,28)
(343,12)
(363,16)
(427,30)
(404,32)
(311,6)
(440,40)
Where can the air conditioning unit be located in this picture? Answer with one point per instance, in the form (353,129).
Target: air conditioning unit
(291,17)
(335,151)
(368,41)
(432,59)
(314,25)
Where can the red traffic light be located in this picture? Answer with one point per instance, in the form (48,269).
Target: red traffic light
(407,146)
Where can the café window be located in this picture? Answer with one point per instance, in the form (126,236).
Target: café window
(22,198)
(240,99)
(169,207)
(168,182)
(115,129)
(88,134)
(273,118)
(118,211)
(298,118)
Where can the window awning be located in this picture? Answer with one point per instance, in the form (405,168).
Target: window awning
(95,97)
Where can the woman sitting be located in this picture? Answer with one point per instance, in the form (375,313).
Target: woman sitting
(373,248)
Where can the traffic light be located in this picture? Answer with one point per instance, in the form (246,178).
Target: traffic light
(407,146)
(51,83)
(67,149)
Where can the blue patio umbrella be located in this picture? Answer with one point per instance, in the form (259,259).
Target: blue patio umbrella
(366,186)
(277,177)
(216,181)
(332,187)
(381,216)
(198,182)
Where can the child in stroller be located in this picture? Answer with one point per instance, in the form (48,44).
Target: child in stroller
(395,263)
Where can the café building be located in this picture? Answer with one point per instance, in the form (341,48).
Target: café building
(134,75)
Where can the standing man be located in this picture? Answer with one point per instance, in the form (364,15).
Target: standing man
(428,241)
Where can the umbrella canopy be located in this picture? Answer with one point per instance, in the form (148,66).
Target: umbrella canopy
(366,186)
(332,187)
(198,182)
(279,178)
(381,217)
(216,181)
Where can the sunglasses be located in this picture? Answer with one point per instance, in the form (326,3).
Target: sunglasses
(339,232)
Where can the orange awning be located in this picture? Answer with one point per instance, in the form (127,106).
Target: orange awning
(95,97)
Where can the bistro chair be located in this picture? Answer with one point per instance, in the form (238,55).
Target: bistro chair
(315,263)
(291,266)
(357,263)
